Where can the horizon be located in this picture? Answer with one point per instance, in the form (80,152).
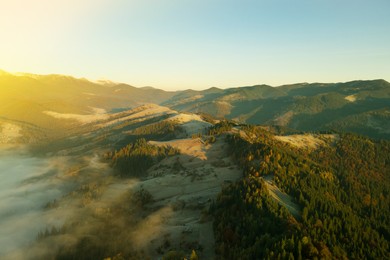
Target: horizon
(104,81)
(197,45)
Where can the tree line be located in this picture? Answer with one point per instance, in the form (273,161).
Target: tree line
(137,157)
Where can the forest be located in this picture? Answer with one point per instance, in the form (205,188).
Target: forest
(134,159)
(342,189)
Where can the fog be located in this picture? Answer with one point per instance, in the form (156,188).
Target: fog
(27,185)
(77,196)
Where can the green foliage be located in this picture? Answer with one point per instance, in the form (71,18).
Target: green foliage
(248,221)
(306,107)
(161,129)
(207,117)
(174,255)
(222,127)
(142,197)
(53,231)
(135,158)
(343,190)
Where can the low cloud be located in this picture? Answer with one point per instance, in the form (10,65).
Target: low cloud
(64,206)
(27,185)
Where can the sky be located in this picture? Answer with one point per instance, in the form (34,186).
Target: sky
(198,44)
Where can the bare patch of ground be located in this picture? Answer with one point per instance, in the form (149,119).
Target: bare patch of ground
(174,217)
(191,123)
(307,140)
(188,147)
(142,113)
(285,118)
(84,119)
(9,133)
(351,98)
(187,184)
(282,198)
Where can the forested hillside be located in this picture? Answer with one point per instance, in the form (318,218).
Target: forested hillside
(356,106)
(135,158)
(342,188)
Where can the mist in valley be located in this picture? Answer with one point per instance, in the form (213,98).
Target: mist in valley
(27,185)
(61,207)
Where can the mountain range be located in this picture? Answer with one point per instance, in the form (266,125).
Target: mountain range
(110,171)
(50,105)
(357,106)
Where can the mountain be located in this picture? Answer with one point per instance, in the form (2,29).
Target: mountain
(113,131)
(357,106)
(232,192)
(47,106)
(307,196)
(50,105)
(105,174)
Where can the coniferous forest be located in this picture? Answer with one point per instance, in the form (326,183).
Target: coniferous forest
(135,158)
(342,190)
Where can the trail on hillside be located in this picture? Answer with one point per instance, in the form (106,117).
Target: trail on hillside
(282,198)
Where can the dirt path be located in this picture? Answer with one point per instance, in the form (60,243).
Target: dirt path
(281,197)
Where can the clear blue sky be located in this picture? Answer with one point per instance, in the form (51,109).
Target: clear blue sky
(180,44)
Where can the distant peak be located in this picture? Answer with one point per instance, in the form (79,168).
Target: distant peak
(39,76)
(148,88)
(261,86)
(380,80)
(214,88)
(105,82)
(29,75)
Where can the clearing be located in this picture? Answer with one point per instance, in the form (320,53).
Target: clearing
(307,140)
(282,198)
(183,187)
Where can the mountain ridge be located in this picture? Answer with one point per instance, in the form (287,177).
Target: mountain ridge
(360,106)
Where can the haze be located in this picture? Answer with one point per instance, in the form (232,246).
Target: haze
(42,194)
(27,185)
(198,44)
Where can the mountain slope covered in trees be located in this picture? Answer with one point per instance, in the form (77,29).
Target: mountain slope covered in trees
(356,106)
(342,187)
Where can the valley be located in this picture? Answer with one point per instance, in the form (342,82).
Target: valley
(181,189)
(28,184)
(109,171)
